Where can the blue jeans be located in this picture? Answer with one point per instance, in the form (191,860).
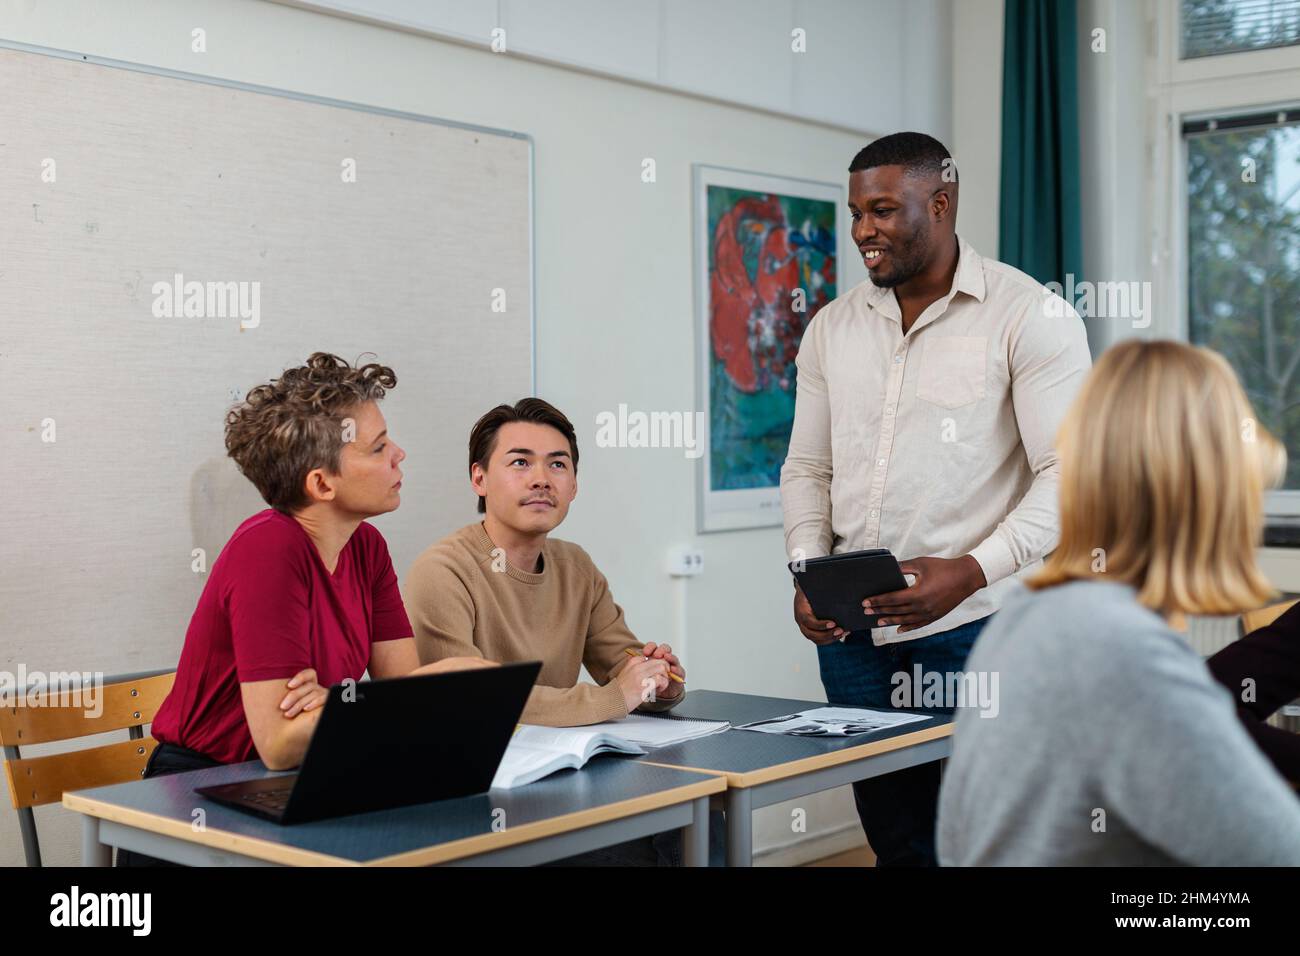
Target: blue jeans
(898,810)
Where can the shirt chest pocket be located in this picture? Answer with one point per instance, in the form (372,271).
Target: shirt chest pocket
(952,370)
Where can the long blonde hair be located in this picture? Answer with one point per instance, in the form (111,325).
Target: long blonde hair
(1163,473)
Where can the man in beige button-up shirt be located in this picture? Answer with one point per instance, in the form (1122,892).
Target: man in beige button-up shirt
(928,402)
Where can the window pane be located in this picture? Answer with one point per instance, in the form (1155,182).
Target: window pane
(1243,245)
(1229,26)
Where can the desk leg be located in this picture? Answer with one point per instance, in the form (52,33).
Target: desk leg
(695,838)
(93,853)
(740,820)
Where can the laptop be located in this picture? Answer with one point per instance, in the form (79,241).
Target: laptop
(389,743)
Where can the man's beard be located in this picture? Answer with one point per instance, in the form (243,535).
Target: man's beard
(910,260)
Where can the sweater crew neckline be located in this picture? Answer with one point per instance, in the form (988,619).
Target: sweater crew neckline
(487,546)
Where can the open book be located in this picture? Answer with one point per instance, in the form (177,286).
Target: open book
(535,752)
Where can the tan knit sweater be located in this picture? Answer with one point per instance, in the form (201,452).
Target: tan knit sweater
(563,616)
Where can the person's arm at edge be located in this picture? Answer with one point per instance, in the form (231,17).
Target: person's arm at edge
(1269,659)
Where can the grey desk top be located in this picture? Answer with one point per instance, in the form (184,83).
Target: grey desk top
(607,788)
(748,757)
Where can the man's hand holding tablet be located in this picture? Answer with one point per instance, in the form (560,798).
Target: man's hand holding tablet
(830,591)
(837,585)
(810,625)
(939,585)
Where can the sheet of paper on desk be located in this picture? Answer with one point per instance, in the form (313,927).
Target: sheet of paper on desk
(831,722)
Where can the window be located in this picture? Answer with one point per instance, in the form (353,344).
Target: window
(1222,211)
(1211,27)
(1243,259)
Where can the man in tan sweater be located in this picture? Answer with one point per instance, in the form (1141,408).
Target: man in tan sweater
(502,590)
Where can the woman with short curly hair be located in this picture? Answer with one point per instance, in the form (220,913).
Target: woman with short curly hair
(303,595)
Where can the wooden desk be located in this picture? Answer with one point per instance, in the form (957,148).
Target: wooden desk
(607,802)
(763,769)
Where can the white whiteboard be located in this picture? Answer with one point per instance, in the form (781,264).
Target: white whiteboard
(155,174)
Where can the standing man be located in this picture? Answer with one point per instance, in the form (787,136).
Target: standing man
(927,405)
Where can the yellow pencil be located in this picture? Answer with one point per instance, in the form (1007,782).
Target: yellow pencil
(632,653)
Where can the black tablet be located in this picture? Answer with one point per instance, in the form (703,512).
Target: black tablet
(837,584)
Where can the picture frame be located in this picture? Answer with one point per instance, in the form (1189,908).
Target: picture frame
(766,251)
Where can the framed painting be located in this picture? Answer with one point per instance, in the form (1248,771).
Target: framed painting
(765,262)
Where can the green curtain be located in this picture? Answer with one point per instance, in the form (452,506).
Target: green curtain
(1039,222)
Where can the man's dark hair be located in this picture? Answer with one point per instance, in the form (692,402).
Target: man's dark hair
(915,152)
(483,436)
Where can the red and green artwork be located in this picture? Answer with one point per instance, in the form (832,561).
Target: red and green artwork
(771,267)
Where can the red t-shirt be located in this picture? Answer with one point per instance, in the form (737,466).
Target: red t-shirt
(269,610)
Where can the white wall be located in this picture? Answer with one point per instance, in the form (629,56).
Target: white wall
(615,320)
(737,51)
(977,118)
(1114,169)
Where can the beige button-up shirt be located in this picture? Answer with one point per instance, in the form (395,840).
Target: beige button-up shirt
(938,442)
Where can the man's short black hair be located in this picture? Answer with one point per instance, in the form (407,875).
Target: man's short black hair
(915,152)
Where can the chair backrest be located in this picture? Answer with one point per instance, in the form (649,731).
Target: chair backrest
(1264,616)
(128,702)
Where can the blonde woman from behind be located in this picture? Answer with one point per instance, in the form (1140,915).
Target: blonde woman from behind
(1110,743)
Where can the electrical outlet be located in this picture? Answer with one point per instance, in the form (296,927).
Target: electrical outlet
(685,561)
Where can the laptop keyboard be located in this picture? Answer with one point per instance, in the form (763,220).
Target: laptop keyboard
(268,799)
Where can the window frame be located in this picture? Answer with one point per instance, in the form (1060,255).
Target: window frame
(1210,87)
(1217,66)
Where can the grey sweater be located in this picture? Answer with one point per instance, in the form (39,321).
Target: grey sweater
(1111,745)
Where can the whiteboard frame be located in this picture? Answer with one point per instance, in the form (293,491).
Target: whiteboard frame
(348,105)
